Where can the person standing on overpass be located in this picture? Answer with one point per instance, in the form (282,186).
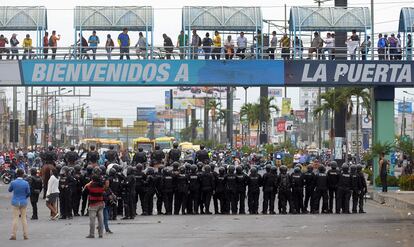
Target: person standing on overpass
(124,43)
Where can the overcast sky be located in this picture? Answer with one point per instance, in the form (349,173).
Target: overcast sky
(122,102)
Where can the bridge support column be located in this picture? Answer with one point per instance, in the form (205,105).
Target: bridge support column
(383,115)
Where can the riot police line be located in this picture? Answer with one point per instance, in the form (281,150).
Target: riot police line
(189,188)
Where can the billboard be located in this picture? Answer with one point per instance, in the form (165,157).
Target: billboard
(406,107)
(114,122)
(286,104)
(99,122)
(275,92)
(148,114)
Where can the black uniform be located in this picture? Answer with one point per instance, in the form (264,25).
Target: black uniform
(207,186)
(92,157)
(202,156)
(356,188)
(140,158)
(363,191)
(254,182)
(219,194)
(167,189)
(174,155)
(309,182)
(150,184)
(284,185)
(76,193)
(84,180)
(140,178)
(157,157)
(269,192)
(158,190)
(112,157)
(231,193)
(128,195)
(297,192)
(65,196)
(241,181)
(321,192)
(115,186)
(344,192)
(333,179)
(181,193)
(36,185)
(194,195)
(71,157)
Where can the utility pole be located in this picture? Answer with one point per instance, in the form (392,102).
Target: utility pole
(26,118)
(403,119)
(13,126)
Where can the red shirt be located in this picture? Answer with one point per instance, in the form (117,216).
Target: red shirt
(45,41)
(96,192)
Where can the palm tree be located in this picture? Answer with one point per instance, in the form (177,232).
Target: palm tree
(266,105)
(332,102)
(360,94)
(250,111)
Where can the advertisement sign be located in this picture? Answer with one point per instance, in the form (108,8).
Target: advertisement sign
(289,126)
(10,73)
(114,122)
(167,103)
(300,114)
(366,123)
(281,126)
(148,72)
(275,92)
(406,107)
(286,104)
(148,114)
(338,148)
(98,122)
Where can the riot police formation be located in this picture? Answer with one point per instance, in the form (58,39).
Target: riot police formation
(183,188)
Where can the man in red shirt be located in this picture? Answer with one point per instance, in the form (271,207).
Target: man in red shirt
(3,49)
(95,189)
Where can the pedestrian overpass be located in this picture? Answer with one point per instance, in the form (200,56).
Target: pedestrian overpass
(381,75)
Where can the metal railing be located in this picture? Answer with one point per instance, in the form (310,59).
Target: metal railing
(188,52)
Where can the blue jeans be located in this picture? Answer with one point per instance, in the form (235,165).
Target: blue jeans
(106,217)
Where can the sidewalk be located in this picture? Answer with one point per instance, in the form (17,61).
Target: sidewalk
(395,199)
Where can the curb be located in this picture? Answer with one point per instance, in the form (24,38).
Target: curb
(391,201)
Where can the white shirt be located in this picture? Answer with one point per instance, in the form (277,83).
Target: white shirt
(241,42)
(228,44)
(330,42)
(52,185)
(273,42)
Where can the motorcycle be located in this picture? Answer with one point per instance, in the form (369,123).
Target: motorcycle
(6,175)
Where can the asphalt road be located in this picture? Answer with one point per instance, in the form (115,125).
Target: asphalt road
(381,226)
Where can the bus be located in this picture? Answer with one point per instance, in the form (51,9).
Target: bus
(147,144)
(101,143)
(165,143)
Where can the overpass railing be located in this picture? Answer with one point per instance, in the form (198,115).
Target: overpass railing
(222,53)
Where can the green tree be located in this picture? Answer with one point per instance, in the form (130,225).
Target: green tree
(251,112)
(214,108)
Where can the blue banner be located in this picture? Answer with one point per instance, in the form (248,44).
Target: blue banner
(152,72)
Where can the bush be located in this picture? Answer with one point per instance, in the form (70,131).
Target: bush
(391,181)
(407,182)
(369,173)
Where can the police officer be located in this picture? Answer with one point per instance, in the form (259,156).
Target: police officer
(309,182)
(92,156)
(140,157)
(269,189)
(65,194)
(356,188)
(194,191)
(202,155)
(321,191)
(207,186)
(174,155)
(364,189)
(333,179)
(128,194)
(85,179)
(112,155)
(71,157)
(284,185)
(219,193)
(297,191)
(344,191)
(77,189)
(158,190)
(140,178)
(167,189)
(150,189)
(231,190)
(254,182)
(181,191)
(157,156)
(115,186)
(36,185)
(241,181)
